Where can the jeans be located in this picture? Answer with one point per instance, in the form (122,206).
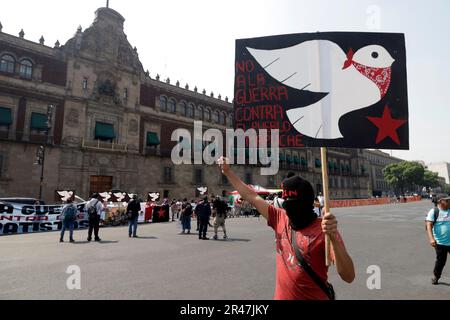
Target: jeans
(70,226)
(186,223)
(132,225)
(441,259)
(203,228)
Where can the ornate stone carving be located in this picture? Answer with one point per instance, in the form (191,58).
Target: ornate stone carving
(103,161)
(73,118)
(71,141)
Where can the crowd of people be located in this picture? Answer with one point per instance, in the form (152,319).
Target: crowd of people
(296,215)
(183,211)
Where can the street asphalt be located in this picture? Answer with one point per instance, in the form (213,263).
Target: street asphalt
(164,265)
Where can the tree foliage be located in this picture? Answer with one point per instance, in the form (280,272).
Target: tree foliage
(405,175)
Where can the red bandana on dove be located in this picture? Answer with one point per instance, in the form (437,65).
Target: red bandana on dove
(380,76)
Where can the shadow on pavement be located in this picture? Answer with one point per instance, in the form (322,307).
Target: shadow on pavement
(139,237)
(107,242)
(231,240)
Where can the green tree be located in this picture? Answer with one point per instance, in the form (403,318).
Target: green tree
(403,175)
(430,179)
(447,188)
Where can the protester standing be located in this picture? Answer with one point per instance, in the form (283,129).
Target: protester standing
(301,271)
(133,208)
(203,212)
(94,209)
(69,216)
(219,214)
(186,214)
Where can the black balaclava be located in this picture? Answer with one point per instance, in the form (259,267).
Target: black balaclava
(298,195)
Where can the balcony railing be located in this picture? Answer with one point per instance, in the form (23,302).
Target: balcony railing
(152,151)
(101,145)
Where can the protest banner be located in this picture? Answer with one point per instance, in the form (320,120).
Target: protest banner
(331,89)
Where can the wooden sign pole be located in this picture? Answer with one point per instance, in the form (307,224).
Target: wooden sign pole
(323,152)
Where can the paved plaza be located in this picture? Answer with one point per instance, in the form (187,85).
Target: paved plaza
(164,265)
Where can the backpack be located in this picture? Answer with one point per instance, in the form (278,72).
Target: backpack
(188,210)
(435,217)
(70,213)
(92,211)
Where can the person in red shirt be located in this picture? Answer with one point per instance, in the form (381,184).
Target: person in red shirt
(297,218)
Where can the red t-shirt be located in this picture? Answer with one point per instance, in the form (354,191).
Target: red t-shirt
(292,282)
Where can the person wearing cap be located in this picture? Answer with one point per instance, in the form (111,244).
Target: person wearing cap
(438,230)
(133,208)
(297,220)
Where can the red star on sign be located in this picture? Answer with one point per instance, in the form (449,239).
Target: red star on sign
(161,213)
(387,126)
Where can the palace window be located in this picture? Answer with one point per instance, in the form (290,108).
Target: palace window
(152,139)
(190,111)
(84,84)
(5,117)
(221,118)
(183,108)
(207,115)
(198,176)
(215,117)
(163,103)
(26,68)
(38,121)
(199,113)
(230,121)
(7,63)
(168,175)
(104,132)
(172,106)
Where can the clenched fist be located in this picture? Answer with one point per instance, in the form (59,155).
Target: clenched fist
(329,225)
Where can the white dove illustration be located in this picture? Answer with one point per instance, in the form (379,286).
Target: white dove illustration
(203,190)
(105,195)
(120,196)
(154,196)
(65,195)
(352,81)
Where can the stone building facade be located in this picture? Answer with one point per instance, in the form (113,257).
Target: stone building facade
(112,123)
(378,160)
(442,168)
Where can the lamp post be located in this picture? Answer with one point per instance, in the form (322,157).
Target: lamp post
(40,155)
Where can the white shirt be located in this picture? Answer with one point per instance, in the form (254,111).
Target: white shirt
(98,205)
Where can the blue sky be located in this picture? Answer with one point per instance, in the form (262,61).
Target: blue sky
(193,41)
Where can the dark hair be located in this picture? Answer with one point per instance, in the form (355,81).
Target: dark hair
(95,195)
(290,174)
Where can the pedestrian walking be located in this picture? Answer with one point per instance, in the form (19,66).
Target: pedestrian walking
(438,229)
(68,218)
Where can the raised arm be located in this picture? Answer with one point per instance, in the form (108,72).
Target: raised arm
(248,194)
